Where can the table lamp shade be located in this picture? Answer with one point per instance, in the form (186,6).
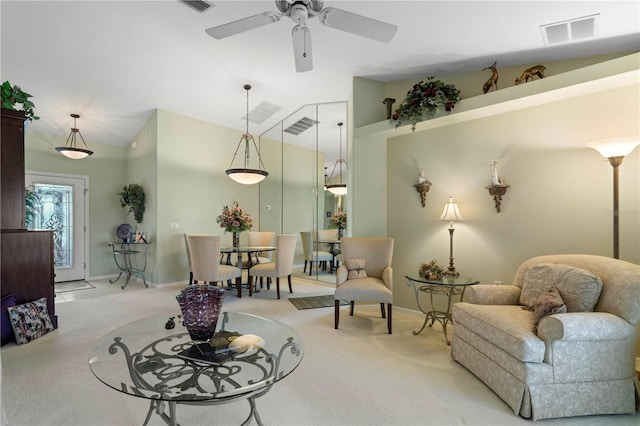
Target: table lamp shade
(451,211)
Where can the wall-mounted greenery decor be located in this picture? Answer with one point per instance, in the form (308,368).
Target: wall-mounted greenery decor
(132,196)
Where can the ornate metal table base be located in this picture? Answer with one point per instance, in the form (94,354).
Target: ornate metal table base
(450,286)
(126,267)
(443,317)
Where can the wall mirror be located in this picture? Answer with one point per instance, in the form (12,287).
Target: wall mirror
(298,151)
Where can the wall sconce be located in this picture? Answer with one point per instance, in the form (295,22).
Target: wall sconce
(422,187)
(498,187)
(615,150)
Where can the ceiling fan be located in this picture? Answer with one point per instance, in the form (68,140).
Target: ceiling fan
(301,10)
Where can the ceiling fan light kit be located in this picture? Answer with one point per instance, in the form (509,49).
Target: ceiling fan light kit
(300,11)
(70,148)
(245,174)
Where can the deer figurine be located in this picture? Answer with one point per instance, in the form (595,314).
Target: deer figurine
(530,72)
(493,81)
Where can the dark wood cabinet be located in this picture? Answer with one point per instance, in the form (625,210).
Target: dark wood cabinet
(12,170)
(26,262)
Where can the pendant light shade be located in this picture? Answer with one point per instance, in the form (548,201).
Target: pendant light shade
(70,149)
(245,174)
(338,188)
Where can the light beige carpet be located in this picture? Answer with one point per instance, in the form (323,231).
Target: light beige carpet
(356,375)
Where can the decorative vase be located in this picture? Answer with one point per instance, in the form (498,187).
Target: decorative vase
(236,240)
(340,232)
(201,306)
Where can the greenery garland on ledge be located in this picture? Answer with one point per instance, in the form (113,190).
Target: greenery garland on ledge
(424,101)
(13,95)
(132,196)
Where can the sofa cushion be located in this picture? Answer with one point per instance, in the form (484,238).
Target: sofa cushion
(508,327)
(580,289)
(30,320)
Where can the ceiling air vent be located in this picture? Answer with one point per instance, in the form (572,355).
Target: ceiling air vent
(571,30)
(263,111)
(300,126)
(199,5)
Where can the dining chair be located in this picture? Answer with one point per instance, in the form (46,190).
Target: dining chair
(331,234)
(186,244)
(365,274)
(281,267)
(310,255)
(262,238)
(205,262)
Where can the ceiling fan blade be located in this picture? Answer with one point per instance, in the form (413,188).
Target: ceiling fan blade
(357,24)
(302,48)
(244,24)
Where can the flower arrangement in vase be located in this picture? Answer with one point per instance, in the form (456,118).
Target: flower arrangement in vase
(424,100)
(431,270)
(234,219)
(339,220)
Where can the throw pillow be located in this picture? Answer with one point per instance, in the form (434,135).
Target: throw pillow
(30,320)
(549,302)
(580,289)
(7,331)
(355,268)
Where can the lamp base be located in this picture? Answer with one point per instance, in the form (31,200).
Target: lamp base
(451,270)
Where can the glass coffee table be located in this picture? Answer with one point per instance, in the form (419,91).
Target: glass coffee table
(142,359)
(449,286)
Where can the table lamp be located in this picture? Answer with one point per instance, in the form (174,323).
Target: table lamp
(451,213)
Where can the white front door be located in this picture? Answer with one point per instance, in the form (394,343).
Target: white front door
(61,208)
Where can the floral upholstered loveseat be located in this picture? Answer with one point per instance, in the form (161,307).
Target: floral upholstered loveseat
(575,363)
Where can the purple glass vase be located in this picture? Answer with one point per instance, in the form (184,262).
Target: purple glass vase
(201,306)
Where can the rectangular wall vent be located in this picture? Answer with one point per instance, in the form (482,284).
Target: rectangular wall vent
(571,29)
(199,5)
(300,126)
(263,111)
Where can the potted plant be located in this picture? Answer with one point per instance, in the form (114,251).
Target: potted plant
(431,270)
(14,95)
(132,196)
(424,101)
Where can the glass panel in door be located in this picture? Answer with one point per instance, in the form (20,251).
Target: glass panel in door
(59,207)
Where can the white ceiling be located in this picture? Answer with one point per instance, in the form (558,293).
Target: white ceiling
(114,62)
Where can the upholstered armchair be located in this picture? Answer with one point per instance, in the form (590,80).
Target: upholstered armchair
(204,251)
(365,275)
(281,267)
(576,363)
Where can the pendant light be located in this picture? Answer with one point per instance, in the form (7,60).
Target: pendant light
(246,175)
(338,188)
(70,150)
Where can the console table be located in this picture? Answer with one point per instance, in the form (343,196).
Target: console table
(142,359)
(449,286)
(123,254)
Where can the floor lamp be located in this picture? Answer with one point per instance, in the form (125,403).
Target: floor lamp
(615,150)
(451,213)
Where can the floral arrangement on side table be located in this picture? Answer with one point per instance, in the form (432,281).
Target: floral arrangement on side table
(233,219)
(431,270)
(424,101)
